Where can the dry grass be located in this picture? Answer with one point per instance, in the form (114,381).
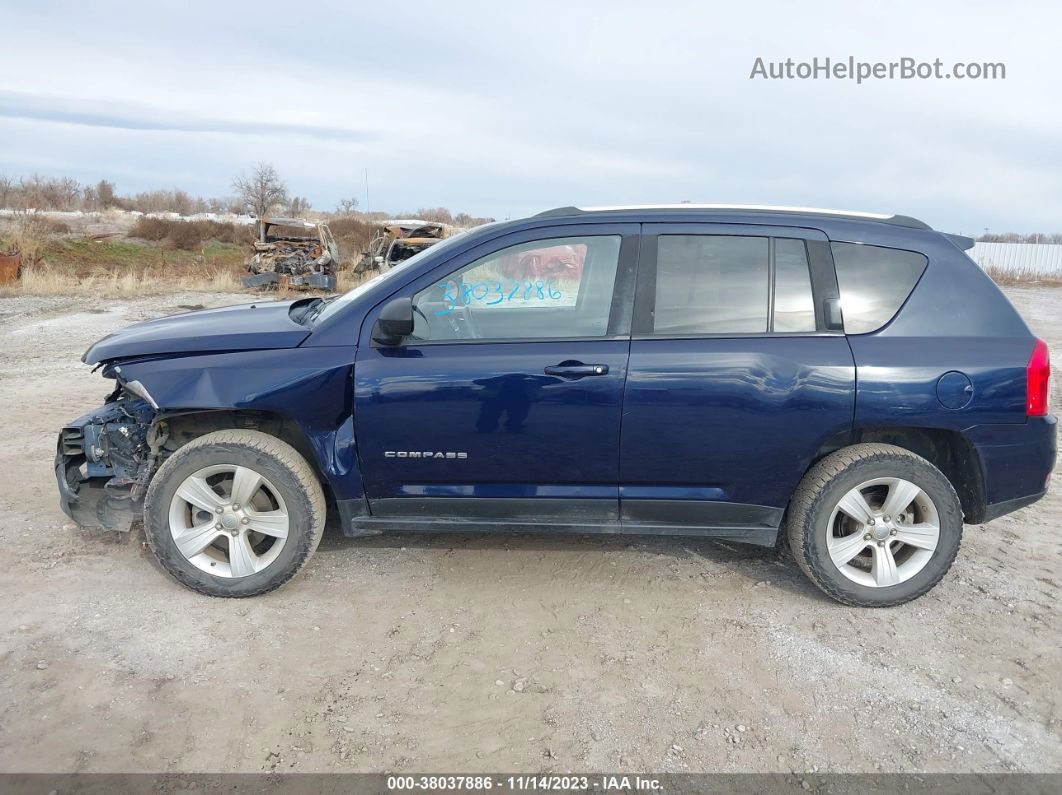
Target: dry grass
(44,279)
(156,261)
(27,234)
(54,265)
(1023,278)
(348,280)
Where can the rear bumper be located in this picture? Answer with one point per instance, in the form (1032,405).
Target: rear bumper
(1009,506)
(1016,462)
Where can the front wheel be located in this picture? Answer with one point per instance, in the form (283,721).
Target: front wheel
(875,525)
(234,513)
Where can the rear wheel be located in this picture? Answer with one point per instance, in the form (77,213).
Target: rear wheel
(875,525)
(234,513)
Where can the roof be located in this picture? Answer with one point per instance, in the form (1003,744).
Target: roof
(289,222)
(407,223)
(418,241)
(895,220)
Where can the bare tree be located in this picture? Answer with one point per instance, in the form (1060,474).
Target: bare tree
(1016,237)
(439,214)
(105,195)
(298,206)
(222,205)
(44,193)
(347,206)
(7,191)
(262,191)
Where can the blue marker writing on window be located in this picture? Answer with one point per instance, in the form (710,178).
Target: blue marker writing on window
(494,293)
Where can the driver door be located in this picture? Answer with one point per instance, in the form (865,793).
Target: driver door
(504,405)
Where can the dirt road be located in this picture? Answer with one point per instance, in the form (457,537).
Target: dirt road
(443,653)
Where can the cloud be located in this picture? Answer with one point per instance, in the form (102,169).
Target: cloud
(502,110)
(75,110)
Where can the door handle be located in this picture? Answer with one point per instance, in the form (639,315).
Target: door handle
(576,369)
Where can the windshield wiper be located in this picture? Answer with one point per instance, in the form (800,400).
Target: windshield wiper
(304,313)
(316,308)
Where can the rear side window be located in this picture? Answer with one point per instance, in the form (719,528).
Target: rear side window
(874,282)
(711,284)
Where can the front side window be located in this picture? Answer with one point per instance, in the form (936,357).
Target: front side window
(874,282)
(711,284)
(560,287)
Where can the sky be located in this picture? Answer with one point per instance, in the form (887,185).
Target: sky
(503,110)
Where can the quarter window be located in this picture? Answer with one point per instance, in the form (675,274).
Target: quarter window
(874,282)
(561,287)
(794,306)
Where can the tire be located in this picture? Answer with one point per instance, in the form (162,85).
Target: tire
(823,530)
(243,552)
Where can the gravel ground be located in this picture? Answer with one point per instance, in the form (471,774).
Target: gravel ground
(442,653)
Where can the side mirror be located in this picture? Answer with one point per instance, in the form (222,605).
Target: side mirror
(395,322)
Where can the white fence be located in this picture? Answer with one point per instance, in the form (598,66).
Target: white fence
(61,215)
(1039,258)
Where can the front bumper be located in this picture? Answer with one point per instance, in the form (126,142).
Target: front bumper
(89,503)
(100,462)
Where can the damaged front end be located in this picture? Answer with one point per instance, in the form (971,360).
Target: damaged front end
(105,459)
(292,253)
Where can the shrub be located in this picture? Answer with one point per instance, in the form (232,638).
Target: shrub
(352,236)
(150,228)
(27,234)
(186,234)
(239,234)
(189,235)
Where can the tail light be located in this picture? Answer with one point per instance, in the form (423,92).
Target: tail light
(1037,378)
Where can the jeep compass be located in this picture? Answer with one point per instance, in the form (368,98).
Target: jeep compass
(849,382)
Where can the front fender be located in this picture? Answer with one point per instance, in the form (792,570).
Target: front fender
(311,387)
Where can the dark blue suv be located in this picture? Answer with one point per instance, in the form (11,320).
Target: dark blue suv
(851,380)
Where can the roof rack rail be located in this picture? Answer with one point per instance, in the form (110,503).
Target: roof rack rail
(559,211)
(894,220)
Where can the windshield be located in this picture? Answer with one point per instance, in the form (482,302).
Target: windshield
(337,304)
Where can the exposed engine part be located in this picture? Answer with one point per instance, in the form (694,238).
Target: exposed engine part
(106,459)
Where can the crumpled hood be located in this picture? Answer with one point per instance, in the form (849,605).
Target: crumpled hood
(231,328)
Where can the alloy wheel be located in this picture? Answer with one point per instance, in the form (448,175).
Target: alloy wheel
(883,532)
(228,520)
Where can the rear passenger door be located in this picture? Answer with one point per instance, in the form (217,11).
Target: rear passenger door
(736,379)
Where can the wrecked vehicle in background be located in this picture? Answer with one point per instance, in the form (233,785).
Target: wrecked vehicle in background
(289,252)
(396,240)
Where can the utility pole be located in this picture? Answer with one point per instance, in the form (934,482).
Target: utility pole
(368,207)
